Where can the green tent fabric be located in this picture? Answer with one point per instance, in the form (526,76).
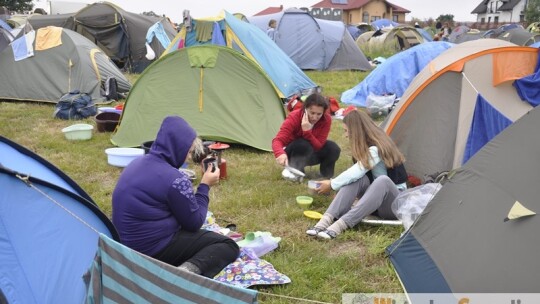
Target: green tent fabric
(224,95)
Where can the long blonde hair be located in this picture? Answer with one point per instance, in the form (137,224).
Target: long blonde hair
(363,133)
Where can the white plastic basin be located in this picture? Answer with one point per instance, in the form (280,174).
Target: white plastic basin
(78,132)
(121,157)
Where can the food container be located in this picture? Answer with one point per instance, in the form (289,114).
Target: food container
(121,157)
(304,201)
(107,121)
(108,110)
(78,132)
(313,185)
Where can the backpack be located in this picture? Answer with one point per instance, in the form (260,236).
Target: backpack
(75,105)
(110,88)
(334,105)
(294,103)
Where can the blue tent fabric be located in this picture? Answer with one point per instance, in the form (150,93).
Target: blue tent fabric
(487,122)
(157,30)
(528,87)
(217,36)
(354,31)
(287,77)
(313,43)
(382,23)
(536,44)
(395,74)
(26,162)
(410,258)
(427,36)
(122,275)
(20,50)
(4,25)
(48,231)
(47,240)
(285,74)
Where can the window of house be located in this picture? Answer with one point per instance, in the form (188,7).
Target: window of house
(496,19)
(489,20)
(350,18)
(395,18)
(483,20)
(375,18)
(365,17)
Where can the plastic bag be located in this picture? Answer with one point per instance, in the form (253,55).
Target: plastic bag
(150,54)
(410,203)
(379,106)
(75,105)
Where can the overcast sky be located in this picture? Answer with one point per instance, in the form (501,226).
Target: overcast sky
(422,9)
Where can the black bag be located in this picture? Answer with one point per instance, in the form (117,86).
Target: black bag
(110,88)
(75,105)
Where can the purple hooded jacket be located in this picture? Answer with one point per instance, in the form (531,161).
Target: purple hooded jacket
(153,199)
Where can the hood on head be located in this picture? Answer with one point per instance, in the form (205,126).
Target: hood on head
(173,141)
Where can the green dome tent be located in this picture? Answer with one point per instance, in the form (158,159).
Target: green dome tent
(224,95)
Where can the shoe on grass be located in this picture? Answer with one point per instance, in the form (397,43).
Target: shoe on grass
(327,234)
(314,231)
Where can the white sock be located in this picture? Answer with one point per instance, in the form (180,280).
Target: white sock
(338,226)
(190,267)
(325,221)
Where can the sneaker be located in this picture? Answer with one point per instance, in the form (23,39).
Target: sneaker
(313,231)
(288,175)
(327,234)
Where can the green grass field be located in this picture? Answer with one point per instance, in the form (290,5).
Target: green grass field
(254,197)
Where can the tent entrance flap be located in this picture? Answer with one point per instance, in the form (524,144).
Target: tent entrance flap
(203,58)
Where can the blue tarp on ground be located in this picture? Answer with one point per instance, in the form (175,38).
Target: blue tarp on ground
(396,73)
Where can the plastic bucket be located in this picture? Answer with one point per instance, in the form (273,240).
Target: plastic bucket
(107,121)
(146,146)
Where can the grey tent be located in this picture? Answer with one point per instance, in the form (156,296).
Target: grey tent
(120,34)
(519,36)
(38,21)
(314,44)
(5,38)
(74,64)
(435,124)
(479,234)
(392,39)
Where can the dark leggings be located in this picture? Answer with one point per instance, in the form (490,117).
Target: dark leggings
(300,153)
(208,250)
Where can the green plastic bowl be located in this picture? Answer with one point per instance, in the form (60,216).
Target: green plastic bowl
(304,201)
(78,132)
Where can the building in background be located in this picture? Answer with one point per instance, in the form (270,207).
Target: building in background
(362,11)
(491,13)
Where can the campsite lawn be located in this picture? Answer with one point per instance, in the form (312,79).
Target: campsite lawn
(254,197)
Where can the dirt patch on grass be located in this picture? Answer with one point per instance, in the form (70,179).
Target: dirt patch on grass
(348,248)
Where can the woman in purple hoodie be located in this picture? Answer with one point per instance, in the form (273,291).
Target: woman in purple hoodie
(156,211)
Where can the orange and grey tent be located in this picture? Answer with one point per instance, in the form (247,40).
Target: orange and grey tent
(442,117)
(479,234)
